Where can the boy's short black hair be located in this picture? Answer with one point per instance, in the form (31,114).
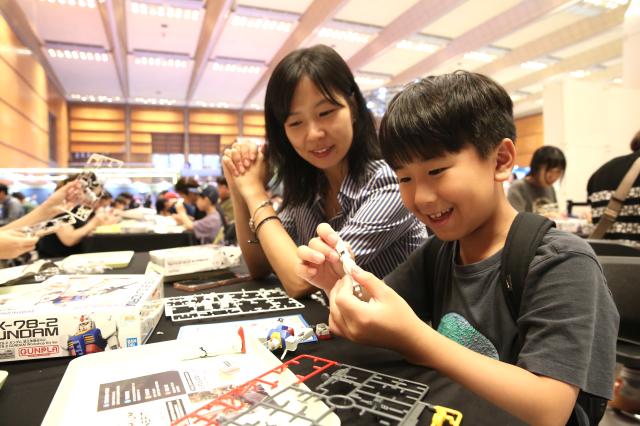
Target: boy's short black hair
(635,142)
(220,180)
(441,114)
(4,188)
(547,157)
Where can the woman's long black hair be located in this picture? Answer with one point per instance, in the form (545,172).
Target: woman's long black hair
(332,76)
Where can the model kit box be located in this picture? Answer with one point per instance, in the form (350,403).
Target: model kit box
(185,260)
(78,314)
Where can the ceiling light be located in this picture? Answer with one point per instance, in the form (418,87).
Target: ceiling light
(154,101)
(77,53)
(617,80)
(417,46)
(580,73)
(479,56)
(369,81)
(534,65)
(236,68)
(223,105)
(79,3)
(161,61)
(139,8)
(95,98)
(608,4)
(346,35)
(261,23)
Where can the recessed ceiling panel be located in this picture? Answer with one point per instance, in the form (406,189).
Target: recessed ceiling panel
(590,43)
(163,33)
(538,28)
(151,81)
(373,12)
(250,43)
(64,23)
(293,6)
(87,77)
(510,74)
(467,16)
(228,87)
(394,61)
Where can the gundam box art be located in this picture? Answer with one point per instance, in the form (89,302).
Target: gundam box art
(73,315)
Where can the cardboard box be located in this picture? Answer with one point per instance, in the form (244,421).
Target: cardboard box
(186,260)
(78,314)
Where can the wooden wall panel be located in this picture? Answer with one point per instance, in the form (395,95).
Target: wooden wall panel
(157,115)
(58,107)
(17,93)
(97,137)
(97,147)
(213,129)
(145,127)
(97,126)
(17,134)
(24,125)
(213,117)
(529,137)
(97,112)
(253,131)
(25,66)
(253,119)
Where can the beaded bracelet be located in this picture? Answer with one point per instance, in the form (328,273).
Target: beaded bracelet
(263,221)
(252,220)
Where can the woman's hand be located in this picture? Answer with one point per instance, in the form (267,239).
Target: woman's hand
(64,199)
(245,168)
(319,261)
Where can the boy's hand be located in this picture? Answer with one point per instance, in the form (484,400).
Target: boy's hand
(14,243)
(319,261)
(384,320)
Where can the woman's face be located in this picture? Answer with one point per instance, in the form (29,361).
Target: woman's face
(320,131)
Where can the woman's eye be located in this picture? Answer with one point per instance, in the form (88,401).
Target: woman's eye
(327,112)
(435,172)
(294,123)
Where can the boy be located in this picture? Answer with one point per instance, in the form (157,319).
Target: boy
(207,228)
(450,140)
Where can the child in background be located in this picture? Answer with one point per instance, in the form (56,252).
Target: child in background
(450,140)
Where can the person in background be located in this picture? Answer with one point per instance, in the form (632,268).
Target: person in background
(224,200)
(601,186)
(11,207)
(106,199)
(120,203)
(131,202)
(535,193)
(322,143)
(13,239)
(207,228)
(27,204)
(165,204)
(66,240)
(187,188)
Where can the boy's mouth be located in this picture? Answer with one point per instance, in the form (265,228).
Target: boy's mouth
(441,215)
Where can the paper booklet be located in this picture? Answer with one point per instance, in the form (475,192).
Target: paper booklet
(158,384)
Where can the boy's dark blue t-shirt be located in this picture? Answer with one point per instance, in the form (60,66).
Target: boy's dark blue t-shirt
(567,314)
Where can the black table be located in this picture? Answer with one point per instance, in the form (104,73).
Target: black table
(138,242)
(31,385)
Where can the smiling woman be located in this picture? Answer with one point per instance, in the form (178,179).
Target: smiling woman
(323,146)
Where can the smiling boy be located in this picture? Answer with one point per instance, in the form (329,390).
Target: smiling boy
(450,140)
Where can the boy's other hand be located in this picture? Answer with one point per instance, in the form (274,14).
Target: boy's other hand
(384,320)
(14,243)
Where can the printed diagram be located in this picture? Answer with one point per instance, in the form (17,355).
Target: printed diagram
(140,389)
(218,305)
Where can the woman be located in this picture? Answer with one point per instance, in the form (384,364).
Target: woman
(535,192)
(323,146)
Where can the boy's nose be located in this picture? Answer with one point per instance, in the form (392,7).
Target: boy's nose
(424,197)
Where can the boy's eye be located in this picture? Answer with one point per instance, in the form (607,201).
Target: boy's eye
(435,172)
(404,179)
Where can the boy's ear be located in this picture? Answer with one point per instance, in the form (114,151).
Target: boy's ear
(505,160)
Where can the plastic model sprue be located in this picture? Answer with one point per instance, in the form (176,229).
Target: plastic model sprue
(355,395)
